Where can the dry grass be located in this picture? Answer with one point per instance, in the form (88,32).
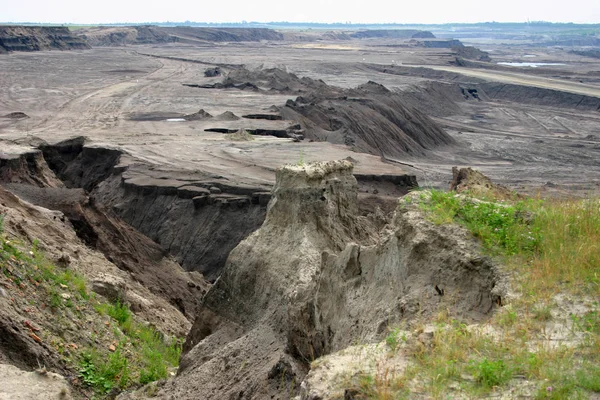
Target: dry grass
(568,254)
(546,343)
(240,136)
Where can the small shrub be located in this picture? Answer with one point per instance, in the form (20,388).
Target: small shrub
(103,373)
(492,373)
(392,339)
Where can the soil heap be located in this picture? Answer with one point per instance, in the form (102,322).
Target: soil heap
(369,118)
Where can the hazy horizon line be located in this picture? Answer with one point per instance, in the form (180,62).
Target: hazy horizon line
(183,23)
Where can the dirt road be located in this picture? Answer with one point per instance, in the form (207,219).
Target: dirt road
(521,79)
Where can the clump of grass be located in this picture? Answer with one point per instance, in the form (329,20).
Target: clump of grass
(392,339)
(568,251)
(383,384)
(152,354)
(492,373)
(502,228)
(141,355)
(104,373)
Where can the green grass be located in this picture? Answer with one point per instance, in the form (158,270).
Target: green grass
(551,247)
(141,355)
(104,373)
(503,228)
(152,354)
(491,373)
(392,339)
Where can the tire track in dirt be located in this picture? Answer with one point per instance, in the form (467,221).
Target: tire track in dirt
(102,108)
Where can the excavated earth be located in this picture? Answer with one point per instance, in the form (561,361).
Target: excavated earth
(36,38)
(146,164)
(317,277)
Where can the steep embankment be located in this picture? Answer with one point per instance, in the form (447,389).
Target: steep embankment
(316,278)
(369,119)
(393,34)
(35,38)
(195,217)
(450,83)
(148,34)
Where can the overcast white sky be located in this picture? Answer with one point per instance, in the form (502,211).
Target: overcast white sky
(368,11)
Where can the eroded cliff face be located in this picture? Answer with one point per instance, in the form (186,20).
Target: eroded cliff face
(316,278)
(35,38)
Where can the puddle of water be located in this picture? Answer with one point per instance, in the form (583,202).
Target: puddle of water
(528,64)
(175,120)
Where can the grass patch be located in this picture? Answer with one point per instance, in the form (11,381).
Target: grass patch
(503,228)
(141,354)
(554,243)
(151,354)
(103,374)
(552,247)
(491,373)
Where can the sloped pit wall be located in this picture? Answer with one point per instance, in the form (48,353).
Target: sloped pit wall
(198,219)
(195,226)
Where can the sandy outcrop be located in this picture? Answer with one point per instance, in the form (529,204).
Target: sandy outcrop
(316,278)
(17,384)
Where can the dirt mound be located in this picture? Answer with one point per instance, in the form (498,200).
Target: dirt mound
(125,35)
(314,279)
(16,115)
(472,53)
(476,183)
(212,72)
(539,96)
(335,35)
(587,53)
(223,34)
(36,38)
(438,43)
(392,34)
(198,116)
(369,119)
(227,116)
(275,79)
